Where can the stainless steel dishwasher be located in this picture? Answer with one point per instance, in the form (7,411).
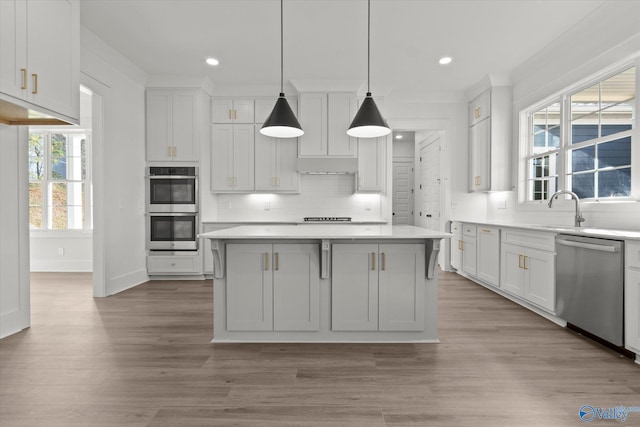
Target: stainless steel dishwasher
(590,285)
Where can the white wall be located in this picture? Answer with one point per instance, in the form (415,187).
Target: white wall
(608,36)
(76,256)
(14,231)
(119,219)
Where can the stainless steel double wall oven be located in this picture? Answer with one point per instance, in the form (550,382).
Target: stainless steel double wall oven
(172,208)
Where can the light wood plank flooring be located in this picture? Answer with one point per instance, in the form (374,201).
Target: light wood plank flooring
(143,358)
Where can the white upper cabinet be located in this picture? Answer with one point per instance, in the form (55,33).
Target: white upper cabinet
(371,165)
(232,110)
(40,50)
(232,157)
(489,140)
(275,163)
(174,124)
(325,118)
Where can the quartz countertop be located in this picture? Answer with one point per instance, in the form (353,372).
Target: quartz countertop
(567,229)
(325,231)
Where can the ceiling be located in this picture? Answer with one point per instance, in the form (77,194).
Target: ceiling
(326,40)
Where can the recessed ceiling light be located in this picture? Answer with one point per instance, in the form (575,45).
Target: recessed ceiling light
(445,60)
(213,61)
(398,136)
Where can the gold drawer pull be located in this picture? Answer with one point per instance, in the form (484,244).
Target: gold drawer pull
(266,261)
(24,78)
(484,230)
(384,261)
(35,84)
(373,261)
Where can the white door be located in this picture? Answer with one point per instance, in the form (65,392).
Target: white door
(430,183)
(249,287)
(402,198)
(354,287)
(401,287)
(296,287)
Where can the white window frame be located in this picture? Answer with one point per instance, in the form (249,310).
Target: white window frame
(564,97)
(48,179)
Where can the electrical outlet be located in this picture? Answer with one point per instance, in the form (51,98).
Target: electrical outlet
(61,251)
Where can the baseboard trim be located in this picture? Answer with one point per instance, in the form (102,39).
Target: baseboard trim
(126,281)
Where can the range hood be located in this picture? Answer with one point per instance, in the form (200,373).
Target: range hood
(327,166)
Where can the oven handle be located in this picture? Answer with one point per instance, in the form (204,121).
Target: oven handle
(601,248)
(171,177)
(171,214)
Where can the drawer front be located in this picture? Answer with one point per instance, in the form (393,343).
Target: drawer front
(632,249)
(456,228)
(488,231)
(530,239)
(173,264)
(469,230)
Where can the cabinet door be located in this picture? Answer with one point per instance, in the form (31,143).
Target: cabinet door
(479,156)
(159,125)
(53,55)
(266,158)
(540,278)
(480,108)
(456,252)
(13,48)
(512,273)
(469,255)
(341,108)
(287,175)
(401,287)
(222,158)
(186,144)
(296,287)
(488,255)
(313,119)
(221,111)
(243,159)
(243,111)
(632,309)
(354,287)
(249,287)
(371,164)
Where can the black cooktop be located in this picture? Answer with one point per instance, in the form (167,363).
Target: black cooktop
(327,219)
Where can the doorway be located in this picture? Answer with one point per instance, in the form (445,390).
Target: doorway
(431,183)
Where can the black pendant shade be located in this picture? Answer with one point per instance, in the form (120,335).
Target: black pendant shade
(368,122)
(282,123)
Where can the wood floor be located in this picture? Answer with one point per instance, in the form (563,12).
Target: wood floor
(143,358)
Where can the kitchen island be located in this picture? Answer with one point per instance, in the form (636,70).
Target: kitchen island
(325,283)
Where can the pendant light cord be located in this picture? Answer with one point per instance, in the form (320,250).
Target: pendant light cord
(281,48)
(368,46)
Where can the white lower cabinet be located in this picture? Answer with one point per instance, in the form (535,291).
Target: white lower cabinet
(185,263)
(488,256)
(469,250)
(378,287)
(529,272)
(632,296)
(456,245)
(273,287)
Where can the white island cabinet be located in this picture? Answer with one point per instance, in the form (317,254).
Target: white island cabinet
(325,283)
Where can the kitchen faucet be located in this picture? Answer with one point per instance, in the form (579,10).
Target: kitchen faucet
(574,196)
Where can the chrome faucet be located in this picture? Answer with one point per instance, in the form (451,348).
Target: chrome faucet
(574,196)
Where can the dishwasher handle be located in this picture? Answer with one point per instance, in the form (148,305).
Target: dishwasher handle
(601,248)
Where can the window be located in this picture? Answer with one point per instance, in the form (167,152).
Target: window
(582,141)
(59,181)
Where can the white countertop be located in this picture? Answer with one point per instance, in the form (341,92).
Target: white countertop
(356,222)
(325,231)
(567,229)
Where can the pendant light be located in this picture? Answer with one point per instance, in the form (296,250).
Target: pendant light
(281,123)
(368,122)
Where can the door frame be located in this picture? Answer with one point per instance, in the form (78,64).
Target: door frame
(411,162)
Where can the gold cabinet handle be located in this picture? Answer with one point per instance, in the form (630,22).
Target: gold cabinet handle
(35,83)
(276,261)
(477,181)
(229,114)
(235,114)
(373,261)
(168,151)
(524,265)
(175,151)
(24,78)
(484,230)
(462,241)
(266,261)
(230,181)
(384,261)
(519,261)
